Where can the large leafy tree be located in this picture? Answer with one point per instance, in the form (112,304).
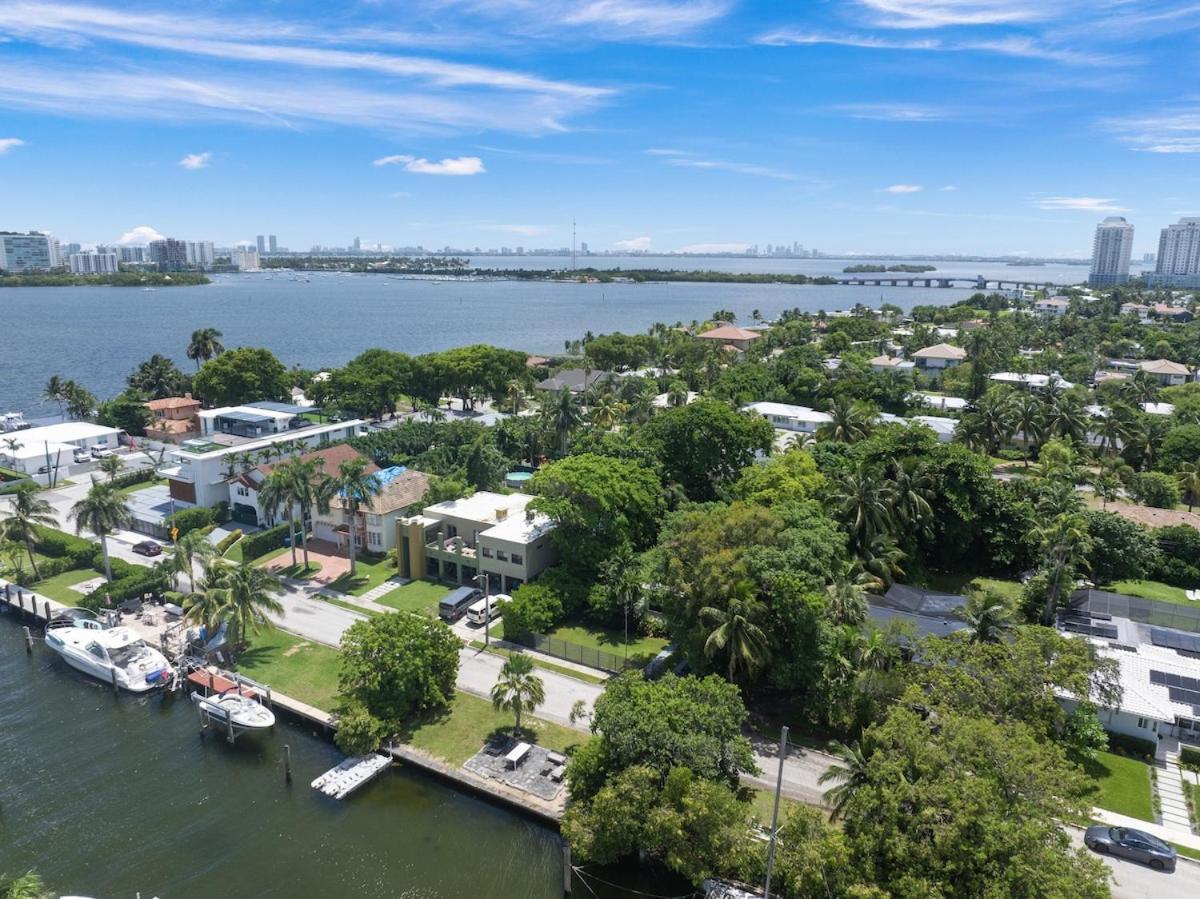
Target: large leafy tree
(126,411)
(26,514)
(706,444)
(102,511)
(369,385)
(242,375)
(790,477)
(158,377)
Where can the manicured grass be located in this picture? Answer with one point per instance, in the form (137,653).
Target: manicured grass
(292,665)
(459,732)
(134,488)
(1192,792)
(641,649)
(59,586)
(417,596)
(274,554)
(234,553)
(1153,590)
(538,663)
(964,582)
(1187,850)
(762,804)
(1124,784)
(372,571)
(349,606)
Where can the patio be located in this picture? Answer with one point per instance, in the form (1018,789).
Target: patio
(333,563)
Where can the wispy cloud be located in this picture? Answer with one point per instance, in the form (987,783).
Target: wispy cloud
(603,19)
(903,189)
(1165,132)
(195,161)
(1017,46)
(948,188)
(633,243)
(455,165)
(139,236)
(686,159)
(1078,204)
(10,143)
(892,112)
(943,13)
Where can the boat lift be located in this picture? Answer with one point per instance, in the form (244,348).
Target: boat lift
(214,684)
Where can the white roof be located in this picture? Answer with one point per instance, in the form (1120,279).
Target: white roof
(482,507)
(519,528)
(64,432)
(784,410)
(941,426)
(1032,380)
(249,410)
(1138,695)
(1157,408)
(1053,301)
(953,403)
(269,439)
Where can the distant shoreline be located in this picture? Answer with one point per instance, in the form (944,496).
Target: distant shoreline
(120,279)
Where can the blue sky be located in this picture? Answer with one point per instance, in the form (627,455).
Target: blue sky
(966,126)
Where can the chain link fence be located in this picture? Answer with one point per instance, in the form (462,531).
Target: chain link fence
(575,652)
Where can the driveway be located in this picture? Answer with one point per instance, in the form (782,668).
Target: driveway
(333,565)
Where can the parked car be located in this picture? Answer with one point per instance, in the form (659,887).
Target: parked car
(99,452)
(1132,844)
(147,548)
(82,455)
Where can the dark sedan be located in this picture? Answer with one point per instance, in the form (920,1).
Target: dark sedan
(1132,844)
(147,548)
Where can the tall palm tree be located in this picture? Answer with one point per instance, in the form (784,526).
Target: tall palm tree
(677,393)
(606,412)
(1064,545)
(518,689)
(102,511)
(1112,431)
(911,493)
(1189,482)
(246,591)
(356,489)
(275,492)
(736,633)
(11,445)
(1068,418)
(848,422)
(28,513)
(880,561)
(861,503)
(989,618)
(850,776)
(846,602)
(1141,388)
(192,547)
(55,391)
(204,345)
(1027,417)
(111,466)
(514,392)
(305,476)
(565,416)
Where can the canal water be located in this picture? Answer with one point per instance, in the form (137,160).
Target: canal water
(110,796)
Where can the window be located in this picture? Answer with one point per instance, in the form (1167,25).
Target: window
(487,553)
(242,491)
(374,539)
(1141,723)
(518,559)
(373,519)
(501,556)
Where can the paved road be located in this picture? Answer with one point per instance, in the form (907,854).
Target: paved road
(1134,881)
(801,770)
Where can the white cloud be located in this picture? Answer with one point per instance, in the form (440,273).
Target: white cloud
(602,19)
(139,236)
(10,143)
(892,112)
(903,189)
(455,165)
(1165,132)
(714,248)
(1022,47)
(1079,204)
(948,188)
(685,159)
(942,13)
(195,161)
(634,243)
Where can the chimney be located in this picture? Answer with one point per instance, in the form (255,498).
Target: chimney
(188,395)
(501,514)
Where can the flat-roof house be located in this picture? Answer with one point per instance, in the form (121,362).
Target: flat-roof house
(891,363)
(937,401)
(944,428)
(253,419)
(487,533)
(730,336)
(244,505)
(939,356)
(1166,372)
(786,417)
(1032,381)
(1103,376)
(1140,310)
(1056,306)
(55,445)
(375,527)
(174,417)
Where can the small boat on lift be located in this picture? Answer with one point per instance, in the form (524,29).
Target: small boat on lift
(244,711)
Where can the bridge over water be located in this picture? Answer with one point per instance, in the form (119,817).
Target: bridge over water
(977,283)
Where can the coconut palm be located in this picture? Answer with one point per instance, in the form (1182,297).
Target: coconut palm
(304,488)
(204,345)
(606,412)
(563,412)
(1064,547)
(850,776)
(862,505)
(11,445)
(102,511)
(111,466)
(1141,388)
(1067,417)
(990,424)
(192,547)
(881,561)
(1112,431)
(27,514)
(989,618)
(736,633)
(518,689)
(1188,476)
(55,391)
(276,491)
(27,886)
(677,393)
(911,493)
(1027,417)
(244,593)
(514,392)
(848,422)
(356,489)
(846,602)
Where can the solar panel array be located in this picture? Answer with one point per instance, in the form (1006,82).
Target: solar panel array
(1170,639)
(1091,629)
(1185,690)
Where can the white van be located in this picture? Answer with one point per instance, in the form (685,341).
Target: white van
(477,613)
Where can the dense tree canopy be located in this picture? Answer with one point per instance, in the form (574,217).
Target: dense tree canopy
(242,375)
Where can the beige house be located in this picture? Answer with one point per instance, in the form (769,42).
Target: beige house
(375,526)
(890,363)
(175,417)
(1166,372)
(487,533)
(727,335)
(939,356)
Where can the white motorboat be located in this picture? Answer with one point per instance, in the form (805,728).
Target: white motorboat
(245,712)
(87,646)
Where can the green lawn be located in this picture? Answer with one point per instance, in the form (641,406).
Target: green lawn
(1124,784)
(372,571)
(292,665)
(963,582)
(417,596)
(349,606)
(538,663)
(459,732)
(763,805)
(59,586)
(234,553)
(142,485)
(641,649)
(1153,590)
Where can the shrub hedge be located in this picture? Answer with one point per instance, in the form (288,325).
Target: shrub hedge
(1123,744)
(133,582)
(140,476)
(1190,756)
(255,545)
(61,545)
(228,540)
(198,517)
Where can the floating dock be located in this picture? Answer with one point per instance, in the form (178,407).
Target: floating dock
(351,774)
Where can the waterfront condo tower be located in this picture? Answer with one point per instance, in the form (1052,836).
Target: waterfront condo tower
(1110,252)
(1179,255)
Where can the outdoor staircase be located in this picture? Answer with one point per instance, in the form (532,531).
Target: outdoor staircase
(1170,794)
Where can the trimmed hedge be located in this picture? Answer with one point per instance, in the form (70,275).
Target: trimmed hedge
(255,545)
(61,545)
(1123,744)
(127,586)
(198,517)
(228,540)
(141,476)
(1190,756)
(10,487)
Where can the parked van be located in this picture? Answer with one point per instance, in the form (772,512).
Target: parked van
(456,602)
(477,613)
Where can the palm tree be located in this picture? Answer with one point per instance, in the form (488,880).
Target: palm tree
(28,513)
(204,345)
(911,493)
(565,416)
(514,391)
(880,561)
(606,412)
(848,422)
(518,689)
(102,512)
(1189,482)
(356,489)
(110,465)
(1065,544)
(846,602)
(989,618)
(1112,431)
(55,391)
(677,393)
(736,633)
(305,493)
(1141,388)
(27,886)
(192,547)
(850,776)
(11,445)
(244,593)
(276,491)
(1068,418)
(862,505)
(1027,415)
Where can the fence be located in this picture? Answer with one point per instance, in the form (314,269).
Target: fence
(1146,611)
(574,652)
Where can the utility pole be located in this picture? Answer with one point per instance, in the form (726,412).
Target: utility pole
(487,615)
(783,747)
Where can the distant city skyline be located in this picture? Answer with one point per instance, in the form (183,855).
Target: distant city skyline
(969,127)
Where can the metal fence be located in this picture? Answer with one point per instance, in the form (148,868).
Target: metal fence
(1146,611)
(575,652)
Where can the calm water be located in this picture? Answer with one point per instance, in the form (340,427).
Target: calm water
(107,797)
(96,335)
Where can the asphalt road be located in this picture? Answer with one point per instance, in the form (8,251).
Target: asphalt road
(1135,881)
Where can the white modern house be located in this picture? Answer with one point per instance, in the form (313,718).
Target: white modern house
(53,446)
(1032,381)
(487,533)
(944,428)
(785,417)
(1051,306)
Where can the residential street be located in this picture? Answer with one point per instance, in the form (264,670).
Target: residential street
(1134,881)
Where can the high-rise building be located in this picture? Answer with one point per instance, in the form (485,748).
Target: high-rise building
(1110,252)
(261,243)
(246,259)
(200,254)
(133,254)
(30,252)
(357,245)
(1148,258)
(272,245)
(1179,255)
(169,255)
(94,263)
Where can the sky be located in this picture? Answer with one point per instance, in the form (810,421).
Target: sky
(855,126)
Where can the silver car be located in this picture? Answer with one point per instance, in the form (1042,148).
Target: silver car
(1132,844)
